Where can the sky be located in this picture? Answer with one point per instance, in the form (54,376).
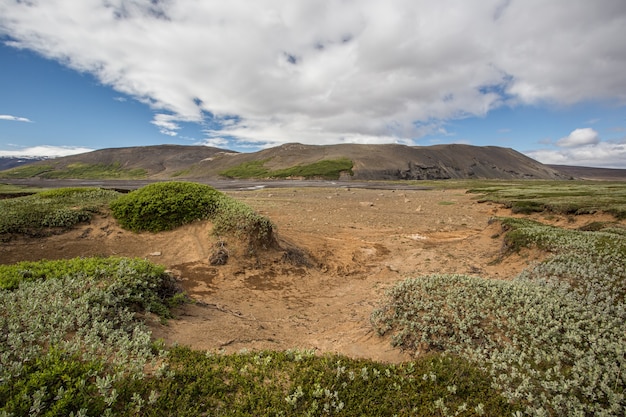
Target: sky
(544,77)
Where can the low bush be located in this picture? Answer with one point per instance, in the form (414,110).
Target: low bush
(236,218)
(70,333)
(72,344)
(165,206)
(57,209)
(553,338)
(300,383)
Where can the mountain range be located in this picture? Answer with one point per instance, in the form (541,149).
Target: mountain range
(294,160)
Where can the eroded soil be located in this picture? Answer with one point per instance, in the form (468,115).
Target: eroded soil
(340,249)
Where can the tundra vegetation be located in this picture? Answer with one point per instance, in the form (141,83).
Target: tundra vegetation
(76,170)
(52,210)
(553,339)
(550,341)
(329,169)
(562,197)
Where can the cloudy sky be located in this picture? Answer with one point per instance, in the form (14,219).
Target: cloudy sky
(544,77)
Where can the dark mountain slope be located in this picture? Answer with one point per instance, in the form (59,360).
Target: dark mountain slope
(370,162)
(160,160)
(394,162)
(606,174)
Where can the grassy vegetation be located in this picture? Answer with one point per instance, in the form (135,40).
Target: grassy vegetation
(10,190)
(54,209)
(552,338)
(564,197)
(26,171)
(253,169)
(182,172)
(326,169)
(77,170)
(299,383)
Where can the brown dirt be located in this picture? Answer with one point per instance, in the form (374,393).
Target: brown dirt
(359,242)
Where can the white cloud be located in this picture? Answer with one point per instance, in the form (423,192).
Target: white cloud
(583,147)
(579,137)
(166,124)
(44,151)
(14,118)
(601,154)
(326,71)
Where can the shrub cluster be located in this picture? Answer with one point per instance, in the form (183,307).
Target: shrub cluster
(301,383)
(165,206)
(72,345)
(553,338)
(60,208)
(70,333)
(235,217)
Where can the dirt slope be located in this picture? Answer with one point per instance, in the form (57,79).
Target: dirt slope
(359,243)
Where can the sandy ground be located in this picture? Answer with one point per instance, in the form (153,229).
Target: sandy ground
(359,242)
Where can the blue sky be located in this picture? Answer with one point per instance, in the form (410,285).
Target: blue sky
(544,78)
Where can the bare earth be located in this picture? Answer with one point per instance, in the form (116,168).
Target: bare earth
(360,242)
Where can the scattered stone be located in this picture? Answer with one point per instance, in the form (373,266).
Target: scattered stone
(158,253)
(219,255)
(366,204)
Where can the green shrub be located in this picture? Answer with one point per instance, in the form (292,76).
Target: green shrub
(234,217)
(553,338)
(70,332)
(165,206)
(527,207)
(300,383)
(72,345)
(60,208)
(138,278)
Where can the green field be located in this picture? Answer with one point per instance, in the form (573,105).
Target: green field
(329,169)
(74,171)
